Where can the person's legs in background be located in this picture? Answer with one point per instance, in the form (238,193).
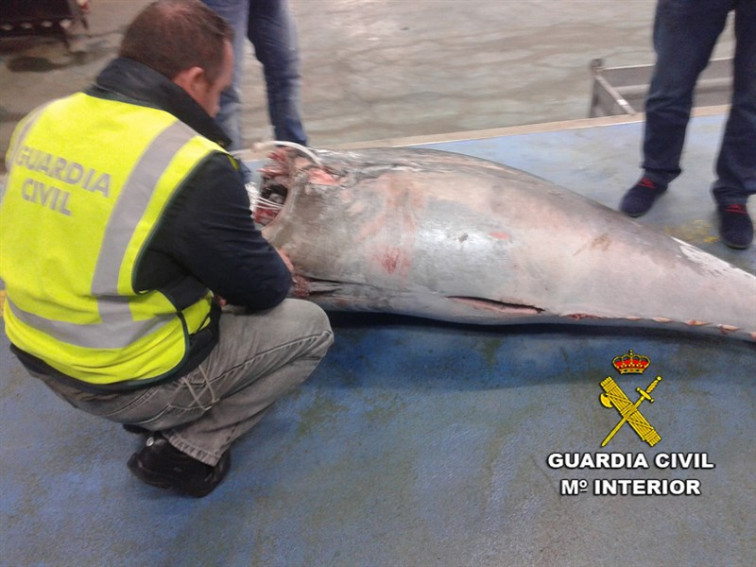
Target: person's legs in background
(273,34)
(235,12)
(736,165)
(684,36)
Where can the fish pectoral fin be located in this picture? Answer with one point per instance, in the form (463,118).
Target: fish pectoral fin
(497,306)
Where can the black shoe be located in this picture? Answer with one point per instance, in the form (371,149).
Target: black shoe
(160,464)
(640,197)
(735,226)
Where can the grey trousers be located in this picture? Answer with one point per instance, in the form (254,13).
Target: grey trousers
(260,357)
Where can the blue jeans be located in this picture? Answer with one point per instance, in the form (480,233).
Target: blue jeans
(230,116)
(685,33)
(260,357)
(273,34)
(268,24)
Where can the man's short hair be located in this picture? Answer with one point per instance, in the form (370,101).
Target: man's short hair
(171,36)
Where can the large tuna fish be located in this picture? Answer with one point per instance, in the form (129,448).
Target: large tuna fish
(450,237)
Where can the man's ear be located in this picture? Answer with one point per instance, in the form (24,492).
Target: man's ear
(193,80)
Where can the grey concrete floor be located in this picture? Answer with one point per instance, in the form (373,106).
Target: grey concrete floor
(384,69)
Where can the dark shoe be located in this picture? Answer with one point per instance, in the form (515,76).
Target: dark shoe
(640,197)
(160,464)
(735,226)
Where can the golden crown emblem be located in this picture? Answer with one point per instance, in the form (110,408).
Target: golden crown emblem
(631,363)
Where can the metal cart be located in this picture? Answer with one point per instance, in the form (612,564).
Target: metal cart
(41,17)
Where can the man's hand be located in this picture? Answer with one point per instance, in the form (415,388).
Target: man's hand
(298,282)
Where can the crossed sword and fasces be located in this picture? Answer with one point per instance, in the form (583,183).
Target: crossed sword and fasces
(614,396)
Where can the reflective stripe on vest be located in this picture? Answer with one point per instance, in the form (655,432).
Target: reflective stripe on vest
(90,323)
(117,329)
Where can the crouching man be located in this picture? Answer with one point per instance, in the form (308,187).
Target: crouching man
(123,226)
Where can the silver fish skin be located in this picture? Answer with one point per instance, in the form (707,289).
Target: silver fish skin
(455,238)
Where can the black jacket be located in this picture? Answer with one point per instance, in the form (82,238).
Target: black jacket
(207,236)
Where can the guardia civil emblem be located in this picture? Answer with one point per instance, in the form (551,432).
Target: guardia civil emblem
(614,397)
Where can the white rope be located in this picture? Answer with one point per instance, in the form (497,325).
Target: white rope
(302,149)
(255,197)
(268,203)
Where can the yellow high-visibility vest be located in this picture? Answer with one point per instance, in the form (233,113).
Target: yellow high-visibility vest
(89,180)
